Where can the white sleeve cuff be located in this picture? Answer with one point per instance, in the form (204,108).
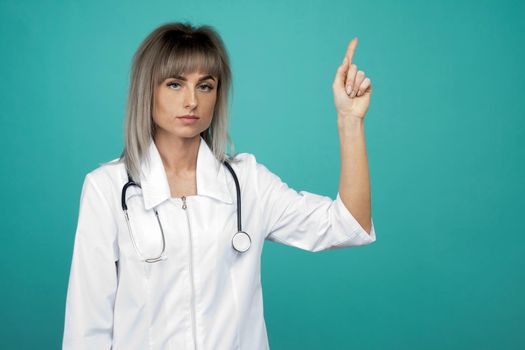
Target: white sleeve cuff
(357,234)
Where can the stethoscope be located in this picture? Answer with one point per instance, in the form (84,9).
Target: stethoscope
(241,240)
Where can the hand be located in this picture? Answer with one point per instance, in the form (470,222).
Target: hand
(351,88)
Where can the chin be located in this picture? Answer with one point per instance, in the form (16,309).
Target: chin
(187,133)
(183,132)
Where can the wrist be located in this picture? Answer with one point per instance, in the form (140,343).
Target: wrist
(348,122)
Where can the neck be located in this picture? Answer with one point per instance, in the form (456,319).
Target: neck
(179,155)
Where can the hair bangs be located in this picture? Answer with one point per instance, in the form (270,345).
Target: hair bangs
(188,56)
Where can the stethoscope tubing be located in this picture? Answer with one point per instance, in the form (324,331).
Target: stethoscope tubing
(240,235)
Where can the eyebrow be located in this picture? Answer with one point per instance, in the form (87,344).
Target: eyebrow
(201,79)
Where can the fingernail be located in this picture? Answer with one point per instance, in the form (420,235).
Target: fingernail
(349,89)
(353,93)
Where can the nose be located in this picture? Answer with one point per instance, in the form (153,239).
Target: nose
(190,99)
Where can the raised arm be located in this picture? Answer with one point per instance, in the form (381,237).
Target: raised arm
(304,219)
(352,92)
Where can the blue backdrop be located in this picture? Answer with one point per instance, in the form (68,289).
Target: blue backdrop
(445,142)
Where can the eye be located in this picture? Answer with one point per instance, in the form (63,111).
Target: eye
(172,83)
(207,86)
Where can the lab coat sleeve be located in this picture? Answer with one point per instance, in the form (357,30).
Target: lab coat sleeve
(306,220)
(93,275)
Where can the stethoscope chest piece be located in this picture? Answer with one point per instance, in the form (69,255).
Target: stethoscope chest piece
(241,241)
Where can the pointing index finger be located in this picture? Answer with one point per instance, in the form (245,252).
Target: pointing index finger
(350,50)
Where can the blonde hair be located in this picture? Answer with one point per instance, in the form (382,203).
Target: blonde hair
(173,49)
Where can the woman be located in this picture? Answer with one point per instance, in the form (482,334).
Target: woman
(172,264)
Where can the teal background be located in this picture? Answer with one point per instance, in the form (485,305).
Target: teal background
(444,134)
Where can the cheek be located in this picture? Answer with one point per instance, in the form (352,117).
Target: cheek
(164,107)
(210,104)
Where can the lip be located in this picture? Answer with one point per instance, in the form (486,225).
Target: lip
(188,117)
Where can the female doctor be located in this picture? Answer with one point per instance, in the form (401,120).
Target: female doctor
(169,237)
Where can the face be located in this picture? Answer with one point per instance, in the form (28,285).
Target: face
(192,94)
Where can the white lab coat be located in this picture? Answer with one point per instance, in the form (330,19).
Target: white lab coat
(203,294)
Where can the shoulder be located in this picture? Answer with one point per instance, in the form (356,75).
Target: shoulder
(107,177)
(245,162)
(251,167)
(242,159)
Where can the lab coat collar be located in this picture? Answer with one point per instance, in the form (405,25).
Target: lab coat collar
(210,175)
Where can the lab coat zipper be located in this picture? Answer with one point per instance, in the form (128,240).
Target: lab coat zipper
(194,323)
